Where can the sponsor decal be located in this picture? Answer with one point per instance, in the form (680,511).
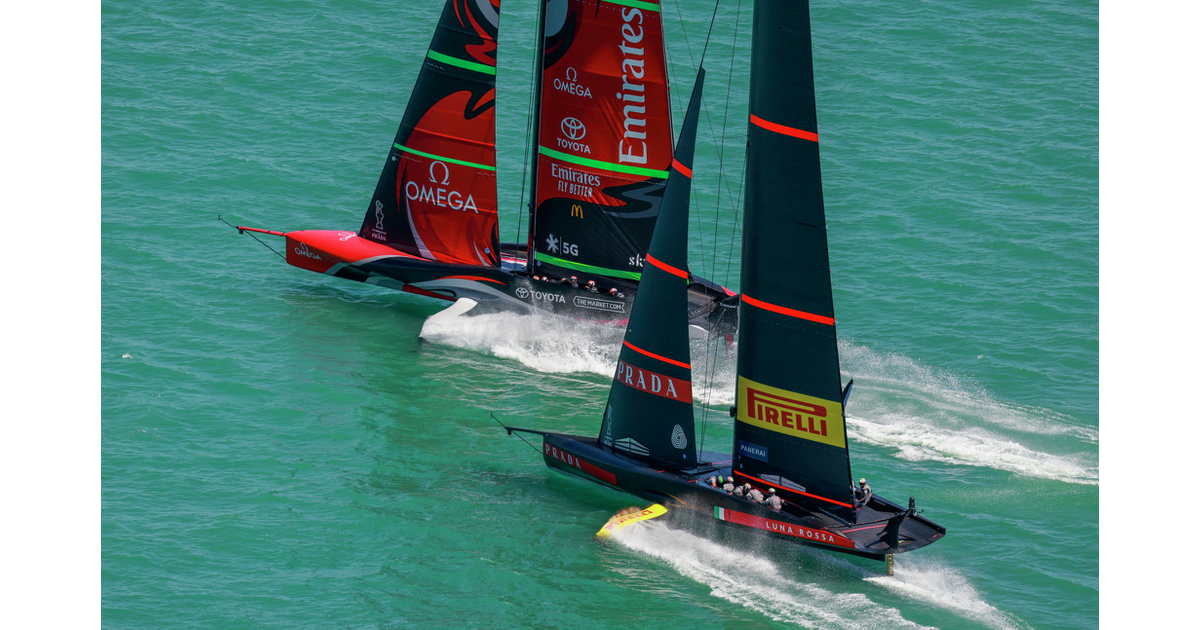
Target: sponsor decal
(544,296)
(780,527)
(436,191)
(753,451)
(576,211)
(631,148)
(575,182)
(570,460)
(637,261)
(678,439)
(791,413)
(379,219)
(566,249)
(599,305)
(653,382)
(571,84)
(574,130)
(303,250)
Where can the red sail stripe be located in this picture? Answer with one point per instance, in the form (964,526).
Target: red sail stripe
(655,356)
(764,481)
(787,131)
(674,271)
(687,172)
(820,319)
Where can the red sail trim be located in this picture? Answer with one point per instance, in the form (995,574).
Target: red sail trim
(685,171)
(793,490)
(787,131)
(791,312)
(674,271)
(655,356)
(476,278)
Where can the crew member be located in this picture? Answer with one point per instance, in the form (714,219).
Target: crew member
(862,494)
(574,282)
(773,500)
(712,481)
(728,487)
(754,494)
(591,286)
(739,491)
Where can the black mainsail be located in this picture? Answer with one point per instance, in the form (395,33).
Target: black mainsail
(790,426)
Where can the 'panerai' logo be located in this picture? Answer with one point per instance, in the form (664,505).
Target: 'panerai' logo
(791,413)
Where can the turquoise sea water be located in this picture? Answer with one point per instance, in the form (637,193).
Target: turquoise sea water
(284,449)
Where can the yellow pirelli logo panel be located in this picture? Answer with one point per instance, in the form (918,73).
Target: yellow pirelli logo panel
(790,413)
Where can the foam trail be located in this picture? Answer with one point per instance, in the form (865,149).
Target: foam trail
(742,578)
(558,345)
(929,416)
(930,582)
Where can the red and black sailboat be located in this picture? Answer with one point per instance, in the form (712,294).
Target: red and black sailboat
(789,427)
(603,146)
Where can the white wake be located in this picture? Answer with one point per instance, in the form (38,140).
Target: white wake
(743,578)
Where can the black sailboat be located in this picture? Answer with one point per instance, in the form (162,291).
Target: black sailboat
(789,428)
(602,146)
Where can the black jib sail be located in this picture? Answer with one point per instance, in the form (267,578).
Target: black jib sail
(649,413)
(436,198)
(790,427)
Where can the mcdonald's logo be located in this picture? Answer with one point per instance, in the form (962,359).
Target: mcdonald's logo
(576,210)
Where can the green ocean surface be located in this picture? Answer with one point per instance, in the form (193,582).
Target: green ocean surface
(286,449)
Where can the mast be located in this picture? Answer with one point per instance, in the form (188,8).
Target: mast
(603,140)
(436,196)
(790,428)
(649,413)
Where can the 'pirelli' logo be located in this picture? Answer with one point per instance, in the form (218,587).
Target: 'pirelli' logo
(790,413)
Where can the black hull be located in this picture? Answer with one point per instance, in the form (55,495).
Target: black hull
(799,521)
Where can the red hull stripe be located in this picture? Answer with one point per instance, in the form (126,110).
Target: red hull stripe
(419,291)
(476,278)
(813,496)
(780,527)
(571,460)
(787,131)
(687,172)
(674,271)
(791,312)
(655,356)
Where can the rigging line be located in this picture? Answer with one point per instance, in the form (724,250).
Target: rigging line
(493,415)
(737,22)
(691,57)
(711,21)
(523,211)
(252,236)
